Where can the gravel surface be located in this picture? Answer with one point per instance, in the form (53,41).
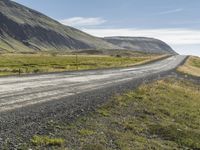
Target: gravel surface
(28,103)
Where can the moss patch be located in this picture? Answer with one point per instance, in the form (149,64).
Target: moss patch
(47,141)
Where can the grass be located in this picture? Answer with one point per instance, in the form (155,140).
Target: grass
(191,66)
(160,115)
(11,64)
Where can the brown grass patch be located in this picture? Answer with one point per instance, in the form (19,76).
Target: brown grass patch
(191,66)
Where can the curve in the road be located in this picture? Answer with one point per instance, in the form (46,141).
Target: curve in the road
(16,92)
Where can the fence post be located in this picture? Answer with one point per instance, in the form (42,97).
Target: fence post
(19,71)
(76,62)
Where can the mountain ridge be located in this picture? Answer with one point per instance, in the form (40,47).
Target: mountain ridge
(41,32)
(23,29)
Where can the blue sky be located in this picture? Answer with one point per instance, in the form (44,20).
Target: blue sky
(176,22)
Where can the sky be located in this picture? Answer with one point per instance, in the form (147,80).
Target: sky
(177,22)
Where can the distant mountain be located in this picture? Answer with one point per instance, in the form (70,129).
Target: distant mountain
(149,45)
(24,29)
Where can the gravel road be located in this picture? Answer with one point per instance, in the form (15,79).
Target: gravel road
(29,101)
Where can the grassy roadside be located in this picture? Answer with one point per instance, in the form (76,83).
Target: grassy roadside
(160,115)
(191,66)
(10,64)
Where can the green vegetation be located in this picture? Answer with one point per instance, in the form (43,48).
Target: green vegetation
(86,132)
(47,141)
(160,115)
(191,66)
(35,63)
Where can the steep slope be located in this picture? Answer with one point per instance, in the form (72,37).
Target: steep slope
(149,45)
(23,29)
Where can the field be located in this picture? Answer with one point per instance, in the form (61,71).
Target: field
(191,66)
(160,115)
(11,64)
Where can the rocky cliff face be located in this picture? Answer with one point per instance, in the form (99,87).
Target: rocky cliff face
(149,45)
(38,36)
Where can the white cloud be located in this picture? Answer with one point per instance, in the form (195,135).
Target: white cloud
(179,39)
(172,36)
(81,21)
(170,11)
